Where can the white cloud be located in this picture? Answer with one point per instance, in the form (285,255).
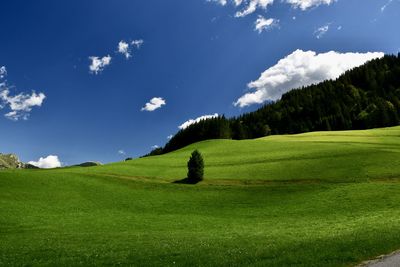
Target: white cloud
(154,103)
(126,48)
(155,147)
(221,2)
(193,121)
(98,64)
(169,137)
(306,4)
(47,163)
(252,6)
(137,43)
(3,72)
(121,152)
(20,105)
(123,48)
(301,68)
(321,31)
(386,5)
(262,24)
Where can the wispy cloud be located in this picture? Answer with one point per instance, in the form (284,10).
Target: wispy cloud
(248,7)
(19,105)
(306,4)
(221,2)
(137,43)
(98,64)
(301,68)
(121,152)
(252,6)
(154,103)
(126,48)
(321,31)
(262,24)
(3,72)
(123,48)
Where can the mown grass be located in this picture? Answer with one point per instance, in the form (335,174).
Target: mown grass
(131,214)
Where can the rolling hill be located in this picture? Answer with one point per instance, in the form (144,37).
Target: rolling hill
(331,156)
(362,98)
(315,199)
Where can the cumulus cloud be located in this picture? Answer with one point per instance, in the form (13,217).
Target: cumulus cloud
(321,31)
(48,162)
(98,64)
(262,24)
(193,121)
(19,105)
(154,103)
(301,68)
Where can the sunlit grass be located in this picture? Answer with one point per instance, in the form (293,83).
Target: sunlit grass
(318,199)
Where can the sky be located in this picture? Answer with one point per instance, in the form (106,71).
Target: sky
(99,80)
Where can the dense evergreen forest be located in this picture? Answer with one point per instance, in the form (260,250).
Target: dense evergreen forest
(365,97)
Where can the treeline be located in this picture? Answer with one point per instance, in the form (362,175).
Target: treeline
(365,97)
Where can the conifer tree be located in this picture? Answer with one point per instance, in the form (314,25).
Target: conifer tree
(195,167)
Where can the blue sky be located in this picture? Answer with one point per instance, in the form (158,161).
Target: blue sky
(197,58)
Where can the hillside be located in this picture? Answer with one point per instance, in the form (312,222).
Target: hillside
(315,199)
(334,156)
(363,98)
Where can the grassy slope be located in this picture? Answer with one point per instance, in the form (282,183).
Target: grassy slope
(344,156)
(89,216)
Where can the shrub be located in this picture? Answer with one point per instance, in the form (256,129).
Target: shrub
(195,167)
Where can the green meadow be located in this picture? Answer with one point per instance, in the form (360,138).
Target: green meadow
(315,199)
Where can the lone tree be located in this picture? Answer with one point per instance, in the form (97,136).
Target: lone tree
(195,167)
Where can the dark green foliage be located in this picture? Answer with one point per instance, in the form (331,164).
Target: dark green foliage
(363,98)
(195,167)
(215,128)
(154,152)
(89,164)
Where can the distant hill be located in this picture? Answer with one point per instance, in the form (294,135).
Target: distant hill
(88,164)
(363,98)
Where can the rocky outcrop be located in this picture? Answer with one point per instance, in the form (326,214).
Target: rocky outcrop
(11,161)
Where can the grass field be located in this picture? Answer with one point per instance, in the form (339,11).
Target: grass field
(317,199)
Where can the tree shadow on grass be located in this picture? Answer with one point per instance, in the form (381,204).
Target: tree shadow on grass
(186,181)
